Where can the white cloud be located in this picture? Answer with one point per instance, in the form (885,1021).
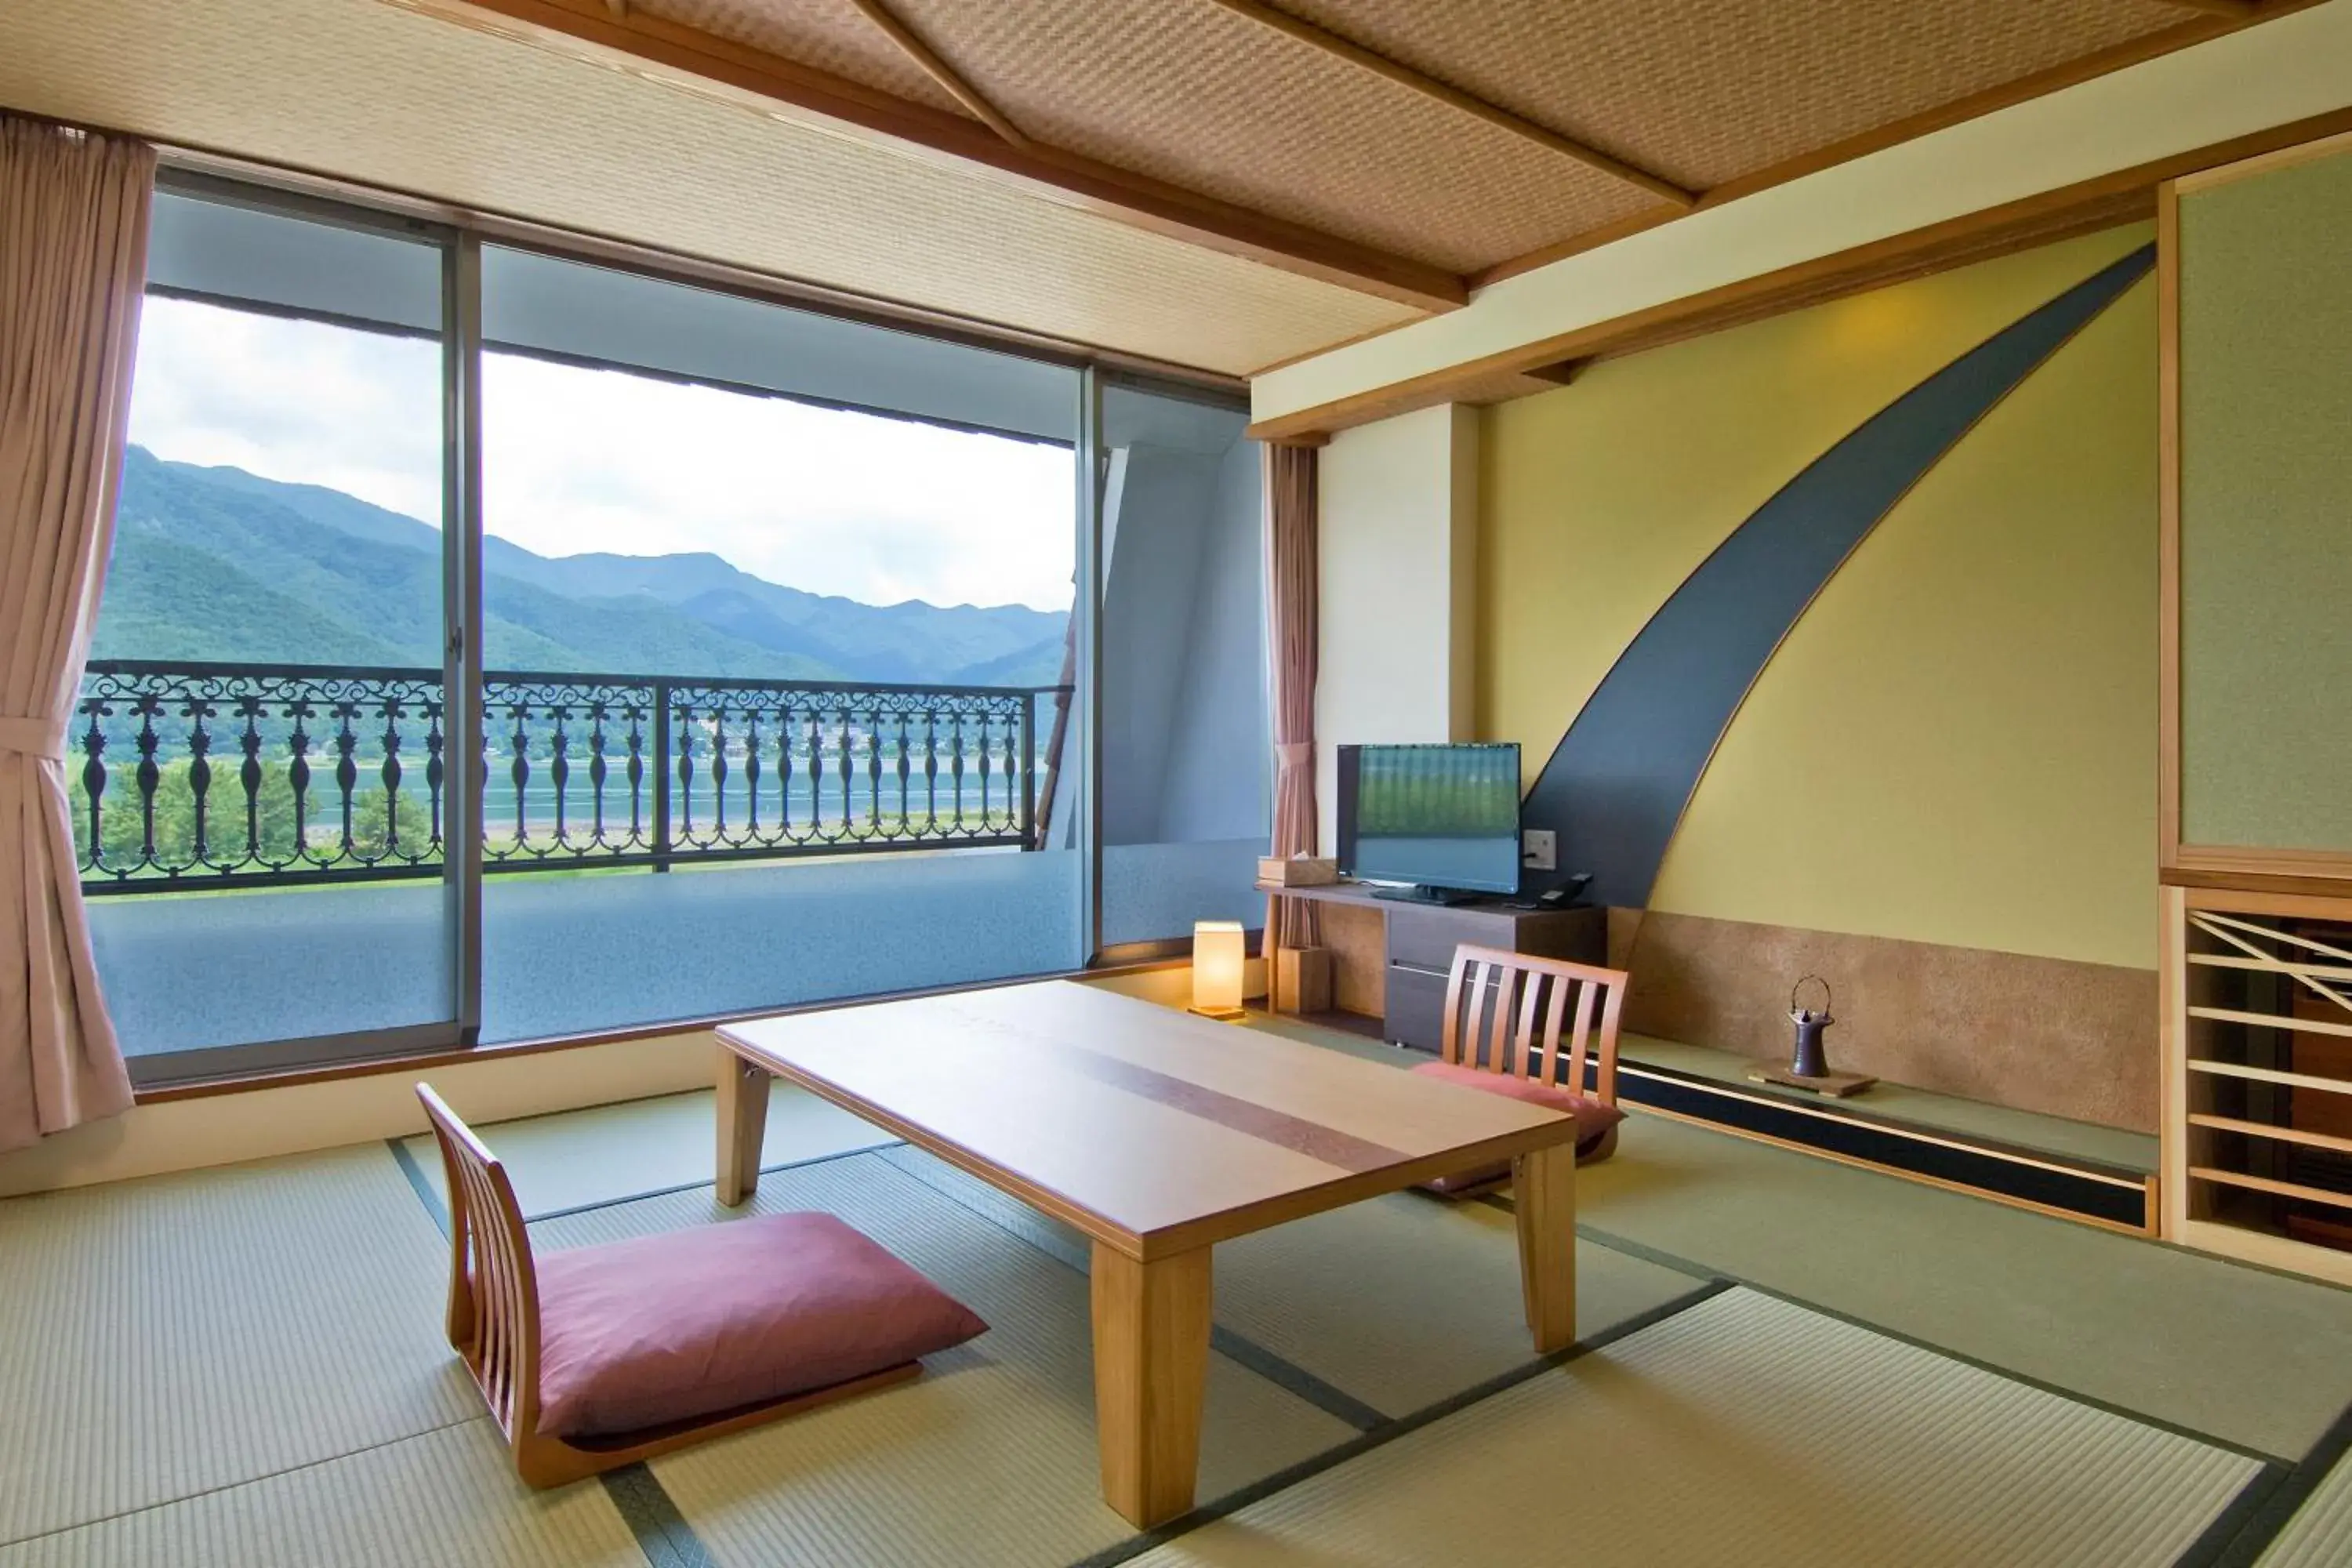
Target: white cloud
(359,411)
(577,461)
(834,502)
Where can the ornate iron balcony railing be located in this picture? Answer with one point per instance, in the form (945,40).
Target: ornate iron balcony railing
(342,773)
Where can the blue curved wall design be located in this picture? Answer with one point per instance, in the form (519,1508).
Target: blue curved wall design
(1615,786)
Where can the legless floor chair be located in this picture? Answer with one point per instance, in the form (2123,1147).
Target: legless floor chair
(601,1356)
(1539,1029)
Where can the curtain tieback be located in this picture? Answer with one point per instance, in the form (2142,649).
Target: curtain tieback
(1294,753)
(34,737)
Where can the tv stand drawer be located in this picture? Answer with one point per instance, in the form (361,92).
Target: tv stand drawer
(1416,1008)
(1425,938)
(1420,954)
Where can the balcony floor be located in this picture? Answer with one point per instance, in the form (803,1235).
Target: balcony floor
(570,953)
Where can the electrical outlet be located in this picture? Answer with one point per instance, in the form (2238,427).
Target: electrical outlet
(1539,849)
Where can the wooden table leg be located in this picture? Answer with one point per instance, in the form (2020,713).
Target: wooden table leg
(1151,1368)
(742,1124)
(1543,1194)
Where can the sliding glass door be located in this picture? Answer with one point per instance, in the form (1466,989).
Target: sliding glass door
(778,630)
(261,765)
(1187,767)
(498,646)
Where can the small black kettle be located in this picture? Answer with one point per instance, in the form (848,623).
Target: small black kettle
(1812,1060)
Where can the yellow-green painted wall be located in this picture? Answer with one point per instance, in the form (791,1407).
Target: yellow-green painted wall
(1957,743)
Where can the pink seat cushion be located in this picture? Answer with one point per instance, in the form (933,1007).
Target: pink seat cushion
(691,1322)
(1595,1118)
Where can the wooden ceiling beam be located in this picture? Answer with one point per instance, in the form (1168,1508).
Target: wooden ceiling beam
(1429,87)
(1514,373)
(2217,7)
(940,71)
(2125,195)
(769,83)
(2189,31)
(1561,373)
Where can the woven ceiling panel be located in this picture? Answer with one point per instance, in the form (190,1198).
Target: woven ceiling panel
(1189,92)
(369,92)
(1702,90)
(833,36)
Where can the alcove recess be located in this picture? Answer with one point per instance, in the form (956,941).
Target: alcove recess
(2255,794)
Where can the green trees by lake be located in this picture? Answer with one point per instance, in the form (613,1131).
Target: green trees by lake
(379,827)
(1468,792)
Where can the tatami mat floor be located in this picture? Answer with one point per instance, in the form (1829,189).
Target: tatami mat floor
(164,1338)
(1395,1303)
(447,1498)
(2318,1532)
(2252,1358)
(1746,1430)
(990,1456)
(246,1366)
(581,1158)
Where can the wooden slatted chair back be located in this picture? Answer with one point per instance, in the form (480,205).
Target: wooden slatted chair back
(493,1289)
(495,1328)
(1543,1019)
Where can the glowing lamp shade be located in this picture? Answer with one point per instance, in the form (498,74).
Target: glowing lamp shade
(1220,953)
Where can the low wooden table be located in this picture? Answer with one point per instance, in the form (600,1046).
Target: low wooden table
(1157,1135)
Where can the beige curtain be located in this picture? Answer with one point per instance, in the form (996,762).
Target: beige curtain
(73,259)
(1291,591)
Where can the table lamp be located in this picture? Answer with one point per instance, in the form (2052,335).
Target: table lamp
(1220,953)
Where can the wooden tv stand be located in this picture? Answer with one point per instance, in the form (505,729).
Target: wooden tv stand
(1418,948)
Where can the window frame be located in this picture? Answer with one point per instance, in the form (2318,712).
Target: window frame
(460,239)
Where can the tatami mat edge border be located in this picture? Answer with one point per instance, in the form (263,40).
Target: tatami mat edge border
(1683,1264)
(1242,1497)
(2260,1518)
(423,1186)
(690,1187)
(417,1182)
(1287,1375)
(653,1517)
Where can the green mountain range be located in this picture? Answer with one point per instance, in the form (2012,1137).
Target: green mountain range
(218,563)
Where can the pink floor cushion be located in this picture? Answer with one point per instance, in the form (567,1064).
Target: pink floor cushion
(1594,1118)
(694,1321)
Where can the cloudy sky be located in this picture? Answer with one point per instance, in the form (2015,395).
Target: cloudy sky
(578,461)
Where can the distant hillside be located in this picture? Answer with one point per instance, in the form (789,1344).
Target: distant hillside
(218,563)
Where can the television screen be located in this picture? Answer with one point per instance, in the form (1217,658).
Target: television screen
(1442,816)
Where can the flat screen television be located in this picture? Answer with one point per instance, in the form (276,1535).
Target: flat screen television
(1444,819)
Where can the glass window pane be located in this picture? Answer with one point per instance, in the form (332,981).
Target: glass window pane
(1187,774)
(540,304)
(771,679)
(259,795)
(256,259)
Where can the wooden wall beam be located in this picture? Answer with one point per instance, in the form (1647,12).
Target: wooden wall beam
(737,72)
(1429,87)
(2123,196)
(1562,373)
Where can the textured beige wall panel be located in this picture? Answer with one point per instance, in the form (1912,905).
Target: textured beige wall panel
(369,93)
(2046,1035)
